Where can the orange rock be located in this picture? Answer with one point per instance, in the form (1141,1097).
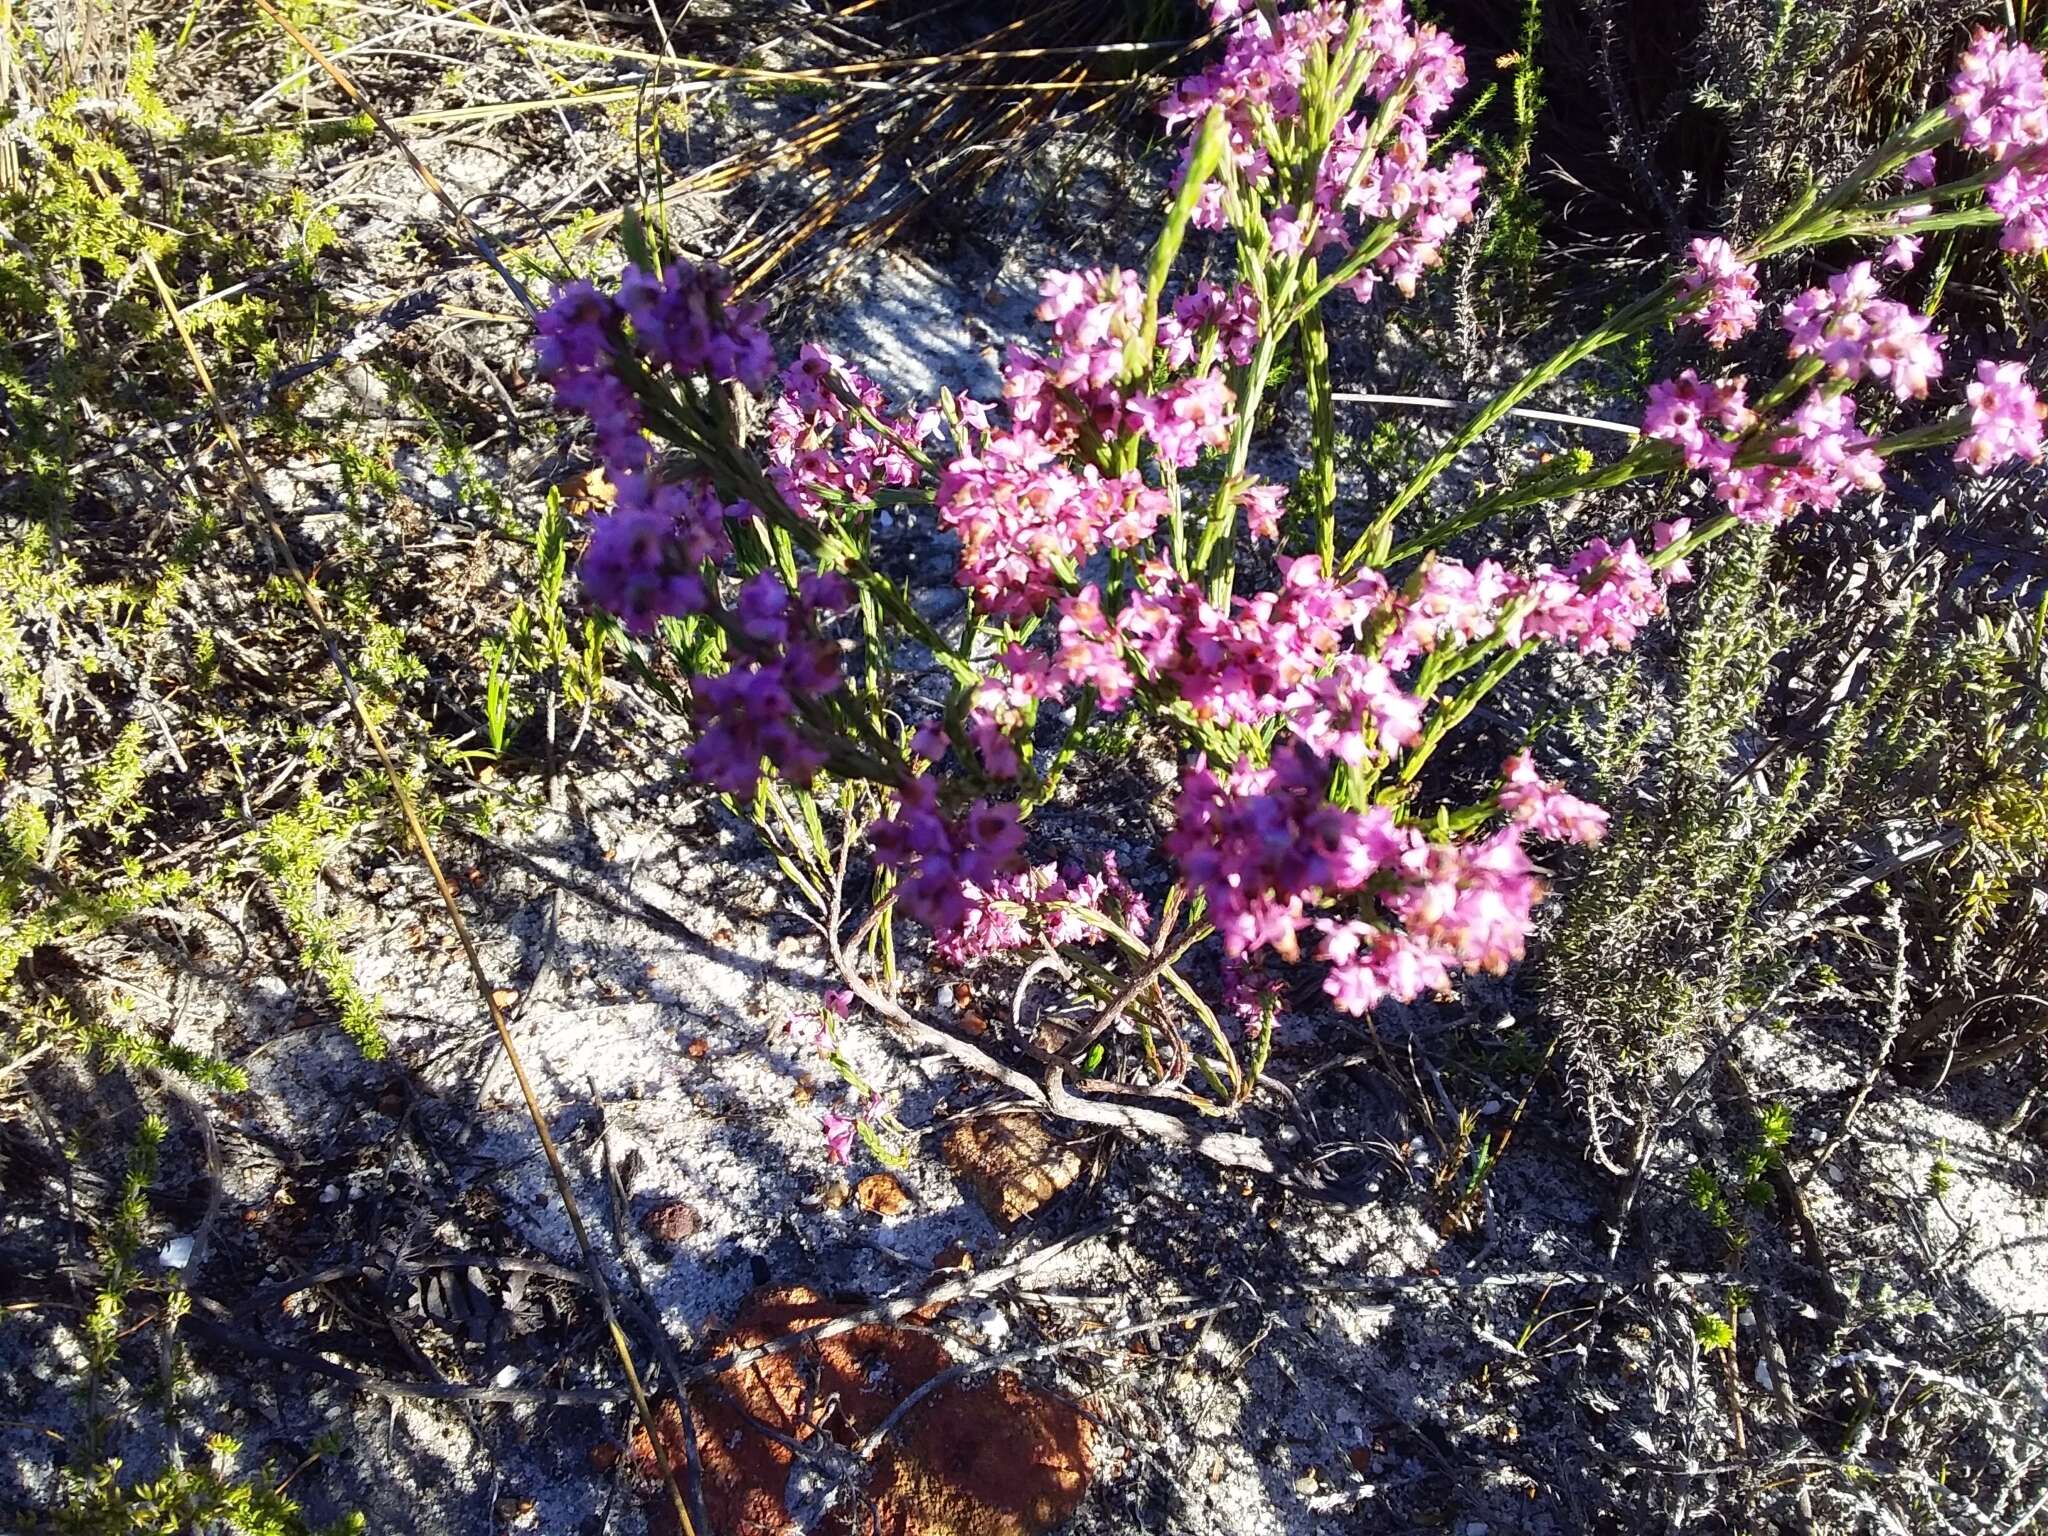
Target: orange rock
(989,1456)
(1011,1162)
(880,1194)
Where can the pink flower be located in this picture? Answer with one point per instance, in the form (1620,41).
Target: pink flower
(1090,653)
(1354,711)
(839,1003)
(1730,310)
(1901,251)
(1231,316)
(1682,410)
(820,453)
(1472,899)
(1545,808)
(809,1032)
(1369,964)
(1854,330)
(1262,505)
(1285,227)
(1599,601)
(1186,418)
(1996,97)
(1664,535)
(1918,171)
(1264,844)
(2005,418)
(1016,911)
(1024,516)
(839,1133)
(2020,198)
(1834,458)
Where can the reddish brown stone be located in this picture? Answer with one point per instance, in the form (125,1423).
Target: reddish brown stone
(1011,1162)
(670,1222)
(881,1194)
(990,1456)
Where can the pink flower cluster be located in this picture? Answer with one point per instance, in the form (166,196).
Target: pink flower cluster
(1544,806)
(2005,418)
(1999,104)
(1462,906)
(1597,601)
(1043,902)
(1265,847)
(1852,327)
(820,451)
(1359,183)
(1237,668)
(1730,308)
(1288,655)
(1027,519)
(941,859)
(750,712)
(1833,456)
(1229,315)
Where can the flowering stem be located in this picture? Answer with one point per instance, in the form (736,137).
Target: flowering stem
(1212,555)
(1645,458)
(1203,158)
(1375,543)
(1453,714)
(1321,483)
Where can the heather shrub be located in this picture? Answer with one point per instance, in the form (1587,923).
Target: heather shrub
(1145,564)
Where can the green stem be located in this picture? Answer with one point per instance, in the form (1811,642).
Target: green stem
(1321,483)
(1212,555)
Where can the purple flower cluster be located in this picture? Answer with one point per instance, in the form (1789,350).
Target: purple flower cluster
(749,713)
(684,320)
(646,561)
(941,860)
(646,558)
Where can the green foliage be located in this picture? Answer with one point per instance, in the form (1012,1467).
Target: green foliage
(1713,1332)
(293,848)
(538,657)
(87,337)
(186,1496)
(1514,234)
(1677,927)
